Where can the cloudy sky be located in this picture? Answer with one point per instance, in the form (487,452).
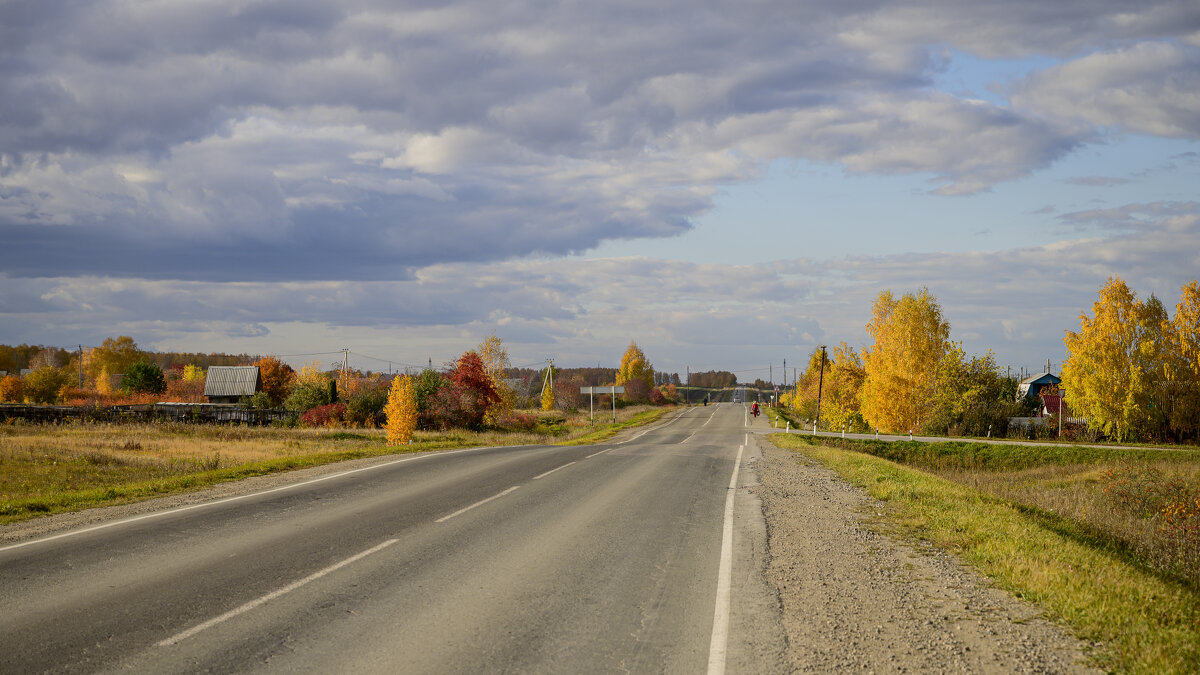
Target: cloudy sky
(728,183)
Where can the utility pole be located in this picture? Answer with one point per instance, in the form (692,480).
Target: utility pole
(81,366)
(820,386)
(785,373)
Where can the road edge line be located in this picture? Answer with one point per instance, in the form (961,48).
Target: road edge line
(719,644)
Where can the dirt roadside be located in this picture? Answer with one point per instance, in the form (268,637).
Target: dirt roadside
(857,600)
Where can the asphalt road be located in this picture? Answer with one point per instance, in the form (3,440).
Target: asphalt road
(631,556)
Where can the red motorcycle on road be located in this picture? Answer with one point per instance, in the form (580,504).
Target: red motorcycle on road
(754,410)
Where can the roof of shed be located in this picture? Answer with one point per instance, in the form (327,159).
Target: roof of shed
(231,381)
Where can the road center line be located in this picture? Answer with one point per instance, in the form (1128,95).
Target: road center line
(598,453)
(543,475)
(720,635)
(478,503)
(273,595)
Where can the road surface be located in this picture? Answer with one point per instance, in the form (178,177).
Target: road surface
(633,556)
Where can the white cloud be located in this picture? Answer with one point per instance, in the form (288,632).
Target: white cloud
(1152,88)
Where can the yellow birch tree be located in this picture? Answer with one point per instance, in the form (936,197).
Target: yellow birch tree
(910,338)
(1111,361)
(401,411)
(1184,364)
(496,364)
(635,374)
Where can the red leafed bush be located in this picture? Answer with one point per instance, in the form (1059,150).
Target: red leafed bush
(332,415)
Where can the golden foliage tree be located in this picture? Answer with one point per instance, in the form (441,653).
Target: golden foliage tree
(104,382)
(909,340)
(841,398)
(114,355)
(401,411)
(1183,384)
(496,364)
(1113,360)
(635,373)
(12,389)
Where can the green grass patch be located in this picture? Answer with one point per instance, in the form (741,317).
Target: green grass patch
(1146,621)
(996,456)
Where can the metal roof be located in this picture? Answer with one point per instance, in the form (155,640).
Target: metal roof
(231,381)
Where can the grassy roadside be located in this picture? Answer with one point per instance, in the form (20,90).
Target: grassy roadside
(47,469)
(1147,622)
(607,431)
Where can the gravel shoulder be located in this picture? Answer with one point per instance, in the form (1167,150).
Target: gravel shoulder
(854,599)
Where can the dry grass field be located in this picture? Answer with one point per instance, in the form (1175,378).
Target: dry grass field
(53,468)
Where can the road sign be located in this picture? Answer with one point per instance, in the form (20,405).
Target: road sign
(602,390)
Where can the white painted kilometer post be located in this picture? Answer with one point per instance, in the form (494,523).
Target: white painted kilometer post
(720,635)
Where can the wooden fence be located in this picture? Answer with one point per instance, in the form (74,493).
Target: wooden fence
(200,413)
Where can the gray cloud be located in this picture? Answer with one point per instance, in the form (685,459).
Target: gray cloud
(271,141)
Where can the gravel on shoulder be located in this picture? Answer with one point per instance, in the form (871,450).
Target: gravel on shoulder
(855,599)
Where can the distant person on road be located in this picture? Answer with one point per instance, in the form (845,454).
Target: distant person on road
(754,409)
(705,400)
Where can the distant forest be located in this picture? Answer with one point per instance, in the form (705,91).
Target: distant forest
(14,359)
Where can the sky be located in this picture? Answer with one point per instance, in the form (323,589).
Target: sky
(729,184)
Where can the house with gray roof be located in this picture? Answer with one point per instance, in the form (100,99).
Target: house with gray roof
(228,384)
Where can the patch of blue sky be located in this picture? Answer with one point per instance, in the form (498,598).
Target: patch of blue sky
(802,209)
(965,75)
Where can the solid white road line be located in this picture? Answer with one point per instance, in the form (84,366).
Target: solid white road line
(181,509)
(271,596)
(720,635)
(481,502)
(543,475)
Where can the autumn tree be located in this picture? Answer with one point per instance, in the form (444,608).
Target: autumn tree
(311,389)
(1113,361)
(465,395)
(1183,372)
(841,395)
(114,355)
(401,410)
(909,340)
(635,374)
(548,397)
(12,389)
(276,377)
(43,384)
(496,364)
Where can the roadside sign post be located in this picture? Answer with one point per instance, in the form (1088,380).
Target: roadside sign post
(591,391)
